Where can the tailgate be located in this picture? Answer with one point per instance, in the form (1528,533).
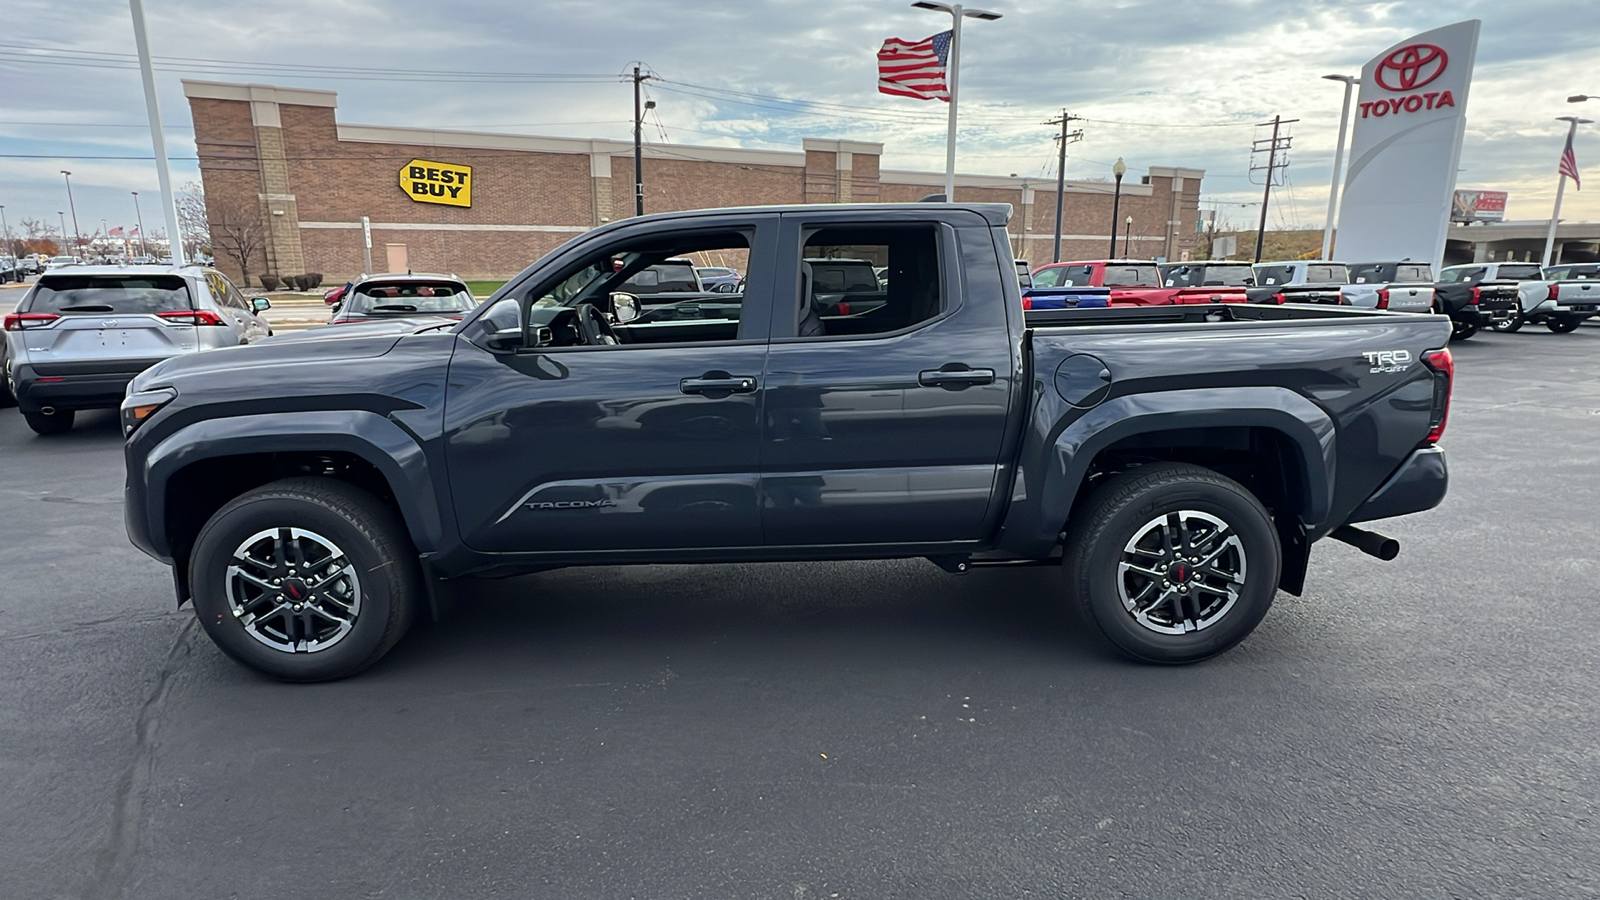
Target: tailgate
(1578,296)
(79,338)
(1210,295)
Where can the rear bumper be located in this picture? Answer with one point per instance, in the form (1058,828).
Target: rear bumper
(1419,484)
(63,386)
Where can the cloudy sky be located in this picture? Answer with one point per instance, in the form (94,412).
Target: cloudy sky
(1181,82)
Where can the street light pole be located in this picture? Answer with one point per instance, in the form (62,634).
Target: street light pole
(1350,81)
(77,236)
(1561,183)
(953,66)
(158,140)
(139,217)
(63,217)
(6,228)
(1118,169)
(1127,238)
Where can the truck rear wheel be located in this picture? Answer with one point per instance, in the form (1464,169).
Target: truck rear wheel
(1173,562)
(1564,324)
(1510,324)
(1460,331)
(305,579)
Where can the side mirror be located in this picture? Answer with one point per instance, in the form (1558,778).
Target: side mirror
(505,340)
(624,307)
(260,304)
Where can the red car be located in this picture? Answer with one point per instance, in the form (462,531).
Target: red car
(399,297)
(1133,282)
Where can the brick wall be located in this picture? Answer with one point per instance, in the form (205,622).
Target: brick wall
(527,201)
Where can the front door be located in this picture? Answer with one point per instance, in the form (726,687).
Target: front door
(884,422)
(646,445)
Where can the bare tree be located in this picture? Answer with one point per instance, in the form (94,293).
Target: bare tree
(192,219)
(237,231)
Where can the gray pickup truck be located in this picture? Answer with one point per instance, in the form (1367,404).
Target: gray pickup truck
(313,493)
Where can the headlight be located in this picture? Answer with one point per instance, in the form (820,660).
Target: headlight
(139,406)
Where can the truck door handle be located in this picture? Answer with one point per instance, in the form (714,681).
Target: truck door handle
(954,379)
(718,384)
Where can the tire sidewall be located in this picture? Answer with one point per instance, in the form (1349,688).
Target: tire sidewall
(1256,535)
(213,554)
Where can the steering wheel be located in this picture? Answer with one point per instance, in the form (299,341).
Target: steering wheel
(592,326)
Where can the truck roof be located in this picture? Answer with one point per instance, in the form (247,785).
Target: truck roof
(996,214)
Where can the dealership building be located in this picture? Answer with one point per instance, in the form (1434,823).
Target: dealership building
(304,190)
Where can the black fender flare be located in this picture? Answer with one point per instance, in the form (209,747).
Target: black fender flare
(1309,429)
(378,440)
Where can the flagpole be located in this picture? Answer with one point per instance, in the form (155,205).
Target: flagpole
(1561,190)
(955,89)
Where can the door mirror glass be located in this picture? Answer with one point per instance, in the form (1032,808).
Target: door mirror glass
(624,307)
(260,304)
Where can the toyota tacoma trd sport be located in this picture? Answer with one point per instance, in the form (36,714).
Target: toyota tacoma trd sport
(1481,295)
(315,493)
(1559,298)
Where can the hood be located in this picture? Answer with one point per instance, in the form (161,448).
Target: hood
(394,326)
(311,347)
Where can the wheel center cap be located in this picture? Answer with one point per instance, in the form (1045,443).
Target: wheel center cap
(1181,572)
(296,589)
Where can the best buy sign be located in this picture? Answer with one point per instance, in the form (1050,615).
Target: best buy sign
(437,182)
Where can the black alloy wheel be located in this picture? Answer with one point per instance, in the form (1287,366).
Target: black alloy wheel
(1563,324)
(1510,324)
(1174,563)
(1460,331)
(305,579)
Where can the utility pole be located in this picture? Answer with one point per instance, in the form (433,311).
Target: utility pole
(1062,141)
(638,142)
(1274,145)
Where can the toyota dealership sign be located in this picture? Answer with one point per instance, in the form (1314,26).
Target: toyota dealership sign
(1409,121)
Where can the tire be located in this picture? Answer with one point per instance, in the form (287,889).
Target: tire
(351,617)
(1509,326)
(1131,510)
(58,422)
(1564,324)
(7,399)
(1460,331)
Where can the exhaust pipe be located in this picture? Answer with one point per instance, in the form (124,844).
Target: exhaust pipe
(48,410)
(1368,542)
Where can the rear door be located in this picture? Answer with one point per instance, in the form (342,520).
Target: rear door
(885,426)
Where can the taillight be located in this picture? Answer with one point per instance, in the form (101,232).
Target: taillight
(1444,376)
(1027,303)
(843,309)
(1555,291)
(1281,298)
(1383,298)
(191,317)
(1476,294)
(19,321)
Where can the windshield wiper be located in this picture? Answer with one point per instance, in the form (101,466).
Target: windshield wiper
(88,307)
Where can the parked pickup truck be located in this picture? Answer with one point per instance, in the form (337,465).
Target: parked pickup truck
(1132,282)
(1400,286)
(1482,295)
(1560,298)
(1300,281)
(315,493)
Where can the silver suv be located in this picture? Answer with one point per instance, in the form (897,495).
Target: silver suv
(80,334)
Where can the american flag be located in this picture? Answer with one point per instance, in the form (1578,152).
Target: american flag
(1569,164)
(915,68)
(115,232)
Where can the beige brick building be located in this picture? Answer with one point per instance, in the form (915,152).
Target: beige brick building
(279,158)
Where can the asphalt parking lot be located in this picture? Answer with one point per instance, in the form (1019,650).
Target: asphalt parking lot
(1420,728)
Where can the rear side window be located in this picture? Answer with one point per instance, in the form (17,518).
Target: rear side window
(839,261)
(844,277)
(1132,276)
(101,294)
(1274,274)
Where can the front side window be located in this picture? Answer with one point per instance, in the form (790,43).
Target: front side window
(1047,278)
(841,294)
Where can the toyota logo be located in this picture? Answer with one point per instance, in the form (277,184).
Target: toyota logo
(1411,67)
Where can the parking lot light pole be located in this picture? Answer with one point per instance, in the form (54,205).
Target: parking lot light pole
(139,217)
(1127,237)
(953,67)
(1118,169)
(158,140)
(61,214)
(6,229)
(77,236)
(1350,81)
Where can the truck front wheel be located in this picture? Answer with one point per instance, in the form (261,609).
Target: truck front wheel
(1173,562)
(305,579)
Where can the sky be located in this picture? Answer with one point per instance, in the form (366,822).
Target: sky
(1158,83)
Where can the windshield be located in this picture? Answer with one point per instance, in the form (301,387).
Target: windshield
(846,278)
(1205,276)
(1572,273)
(663,278)
(1132,276)
(399,298)
(89,294)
